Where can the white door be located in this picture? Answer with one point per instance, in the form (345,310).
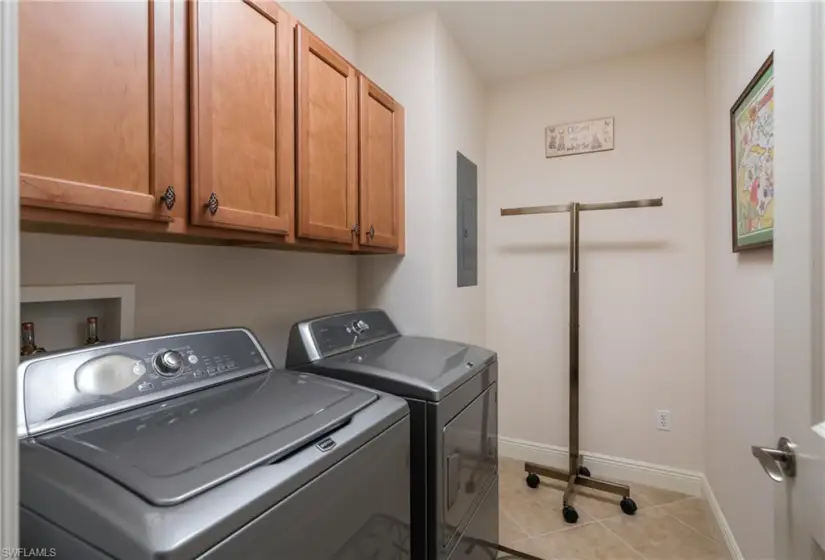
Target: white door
(799,290)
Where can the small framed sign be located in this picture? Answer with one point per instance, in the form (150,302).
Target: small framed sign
(581,137)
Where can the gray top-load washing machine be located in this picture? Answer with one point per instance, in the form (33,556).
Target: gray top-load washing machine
(451,389)
(192,446)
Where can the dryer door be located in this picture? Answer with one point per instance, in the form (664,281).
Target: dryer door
(470,458)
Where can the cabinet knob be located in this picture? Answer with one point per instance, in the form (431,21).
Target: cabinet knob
(371,232)
(212,204)
(355,229)
(168,197)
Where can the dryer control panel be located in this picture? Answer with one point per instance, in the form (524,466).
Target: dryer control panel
(60,389)
(315,339)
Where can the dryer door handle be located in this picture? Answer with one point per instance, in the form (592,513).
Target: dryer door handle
(453,478)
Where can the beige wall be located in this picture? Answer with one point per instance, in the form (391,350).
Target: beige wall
(642,280)
(181,287)
(739,305)
(444,103)
(185,287)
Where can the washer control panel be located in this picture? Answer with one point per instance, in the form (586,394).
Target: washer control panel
(188,359)
(104,378)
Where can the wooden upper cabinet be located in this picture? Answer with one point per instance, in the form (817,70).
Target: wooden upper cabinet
(242,117)
(382,167)
(96,106)
(327,121)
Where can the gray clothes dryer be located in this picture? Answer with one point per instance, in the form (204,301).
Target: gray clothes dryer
(191,446)
(451,389)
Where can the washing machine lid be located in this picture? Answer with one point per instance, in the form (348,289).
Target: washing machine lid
(171,451)
(411,366)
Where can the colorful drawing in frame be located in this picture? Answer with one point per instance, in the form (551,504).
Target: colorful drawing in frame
(752,155)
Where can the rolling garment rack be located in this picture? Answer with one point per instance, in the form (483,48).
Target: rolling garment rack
(577,474)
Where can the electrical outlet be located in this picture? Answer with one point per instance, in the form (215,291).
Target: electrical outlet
(663,420)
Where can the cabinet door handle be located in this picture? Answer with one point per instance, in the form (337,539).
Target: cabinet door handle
(371,232)
(355,229)
(212,204)
(168,197)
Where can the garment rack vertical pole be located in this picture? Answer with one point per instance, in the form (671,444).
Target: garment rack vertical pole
(576,474)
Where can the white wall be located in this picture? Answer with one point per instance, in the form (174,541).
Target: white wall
(210,286)
(418,63)
(739,287)
(461,118)
(642,271)
(402,286)
(321,20)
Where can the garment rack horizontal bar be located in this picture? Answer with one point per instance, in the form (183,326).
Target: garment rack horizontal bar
(561,208)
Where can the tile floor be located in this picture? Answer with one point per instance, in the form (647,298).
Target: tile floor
(667,526)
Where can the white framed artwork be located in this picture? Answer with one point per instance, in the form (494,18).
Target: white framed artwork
(581,137)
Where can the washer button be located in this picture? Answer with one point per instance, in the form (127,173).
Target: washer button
(139,368)
(211,370)
(145,386)
(221,367)
(192,359)
(199,373)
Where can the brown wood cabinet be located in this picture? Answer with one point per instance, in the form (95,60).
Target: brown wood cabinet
(96,107)
(327,125)
(242,116)
(381,168)
(206,122)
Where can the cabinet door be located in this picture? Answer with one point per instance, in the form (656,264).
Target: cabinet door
(382,173)
(96,106)
(242,116)
(327,180)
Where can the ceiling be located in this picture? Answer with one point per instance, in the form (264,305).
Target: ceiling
(511,39)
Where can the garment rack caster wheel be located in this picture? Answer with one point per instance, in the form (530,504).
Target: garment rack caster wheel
(570,514)
(584,471)
(533,480)
(628,506)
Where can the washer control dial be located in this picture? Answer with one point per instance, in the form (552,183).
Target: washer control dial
(168,363)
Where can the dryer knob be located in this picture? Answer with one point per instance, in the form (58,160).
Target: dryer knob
(169,363)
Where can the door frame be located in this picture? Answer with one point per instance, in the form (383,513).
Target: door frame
(9,272)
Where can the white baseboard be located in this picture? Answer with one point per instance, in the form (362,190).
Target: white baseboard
(659,476)
(730,541)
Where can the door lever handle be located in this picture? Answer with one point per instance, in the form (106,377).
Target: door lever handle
(778,463)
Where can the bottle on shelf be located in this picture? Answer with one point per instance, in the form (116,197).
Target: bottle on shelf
(29,345)
(91,331)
